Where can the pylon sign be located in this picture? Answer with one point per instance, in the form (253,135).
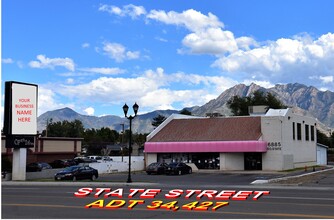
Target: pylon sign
(20,121)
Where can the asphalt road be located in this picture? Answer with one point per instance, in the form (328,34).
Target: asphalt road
(45,200)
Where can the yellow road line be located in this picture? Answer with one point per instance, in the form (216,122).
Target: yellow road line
(286,215)
(232,202)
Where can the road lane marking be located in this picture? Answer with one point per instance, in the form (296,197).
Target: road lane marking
(22,188)
(304,198)
(41,205)
(221,212)
(246,201)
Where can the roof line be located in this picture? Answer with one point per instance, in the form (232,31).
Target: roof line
(165,122)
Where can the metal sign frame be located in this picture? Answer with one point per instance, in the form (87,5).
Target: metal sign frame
(20,130)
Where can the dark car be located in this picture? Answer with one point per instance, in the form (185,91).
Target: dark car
(77,173)
(63,163)
(82,160)
(156,168)
(38,166)
(178,168)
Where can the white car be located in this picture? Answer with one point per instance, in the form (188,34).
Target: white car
(95,158)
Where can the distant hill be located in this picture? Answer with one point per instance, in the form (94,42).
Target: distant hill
(141,124)
(306,100)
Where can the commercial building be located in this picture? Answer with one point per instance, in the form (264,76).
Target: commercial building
(276,140)
(322,154)
(48,149)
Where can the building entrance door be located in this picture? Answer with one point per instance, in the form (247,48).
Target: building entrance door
(253,161)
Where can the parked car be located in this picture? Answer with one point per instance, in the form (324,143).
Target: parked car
(178,168)
(38,166)
(62,163)
(77,173)
(106,158)
(95,158)
(156,168)
(82,160)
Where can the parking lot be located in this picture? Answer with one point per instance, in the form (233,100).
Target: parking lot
(205,178)
(320,176)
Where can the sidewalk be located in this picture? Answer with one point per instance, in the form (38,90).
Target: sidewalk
(321,177)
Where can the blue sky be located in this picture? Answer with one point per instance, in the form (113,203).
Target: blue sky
(93,56)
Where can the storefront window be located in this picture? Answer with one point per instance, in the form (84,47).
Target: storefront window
(201,160)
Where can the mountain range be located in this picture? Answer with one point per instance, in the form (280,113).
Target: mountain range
(305,100)
(140,124)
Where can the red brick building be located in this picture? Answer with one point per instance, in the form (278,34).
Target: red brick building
(48,149)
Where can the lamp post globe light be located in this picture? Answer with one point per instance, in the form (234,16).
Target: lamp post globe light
(130,117)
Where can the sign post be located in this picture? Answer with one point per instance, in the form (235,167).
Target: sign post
(20,123)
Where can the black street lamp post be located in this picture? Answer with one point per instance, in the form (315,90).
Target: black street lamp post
(130,117)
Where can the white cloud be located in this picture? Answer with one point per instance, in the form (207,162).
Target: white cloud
(324,89)
(191,19)
(134,11)
(118,52)
(246,43)
(85,45)
(70,81)
(167,99)
(89,111)
(111,9)
(284,59)
(20,64)
(278,61)
(47,100)
(151,89)
(110,90)
(7,60)
(75,74)
(127,10)
(326,79)
(207,35)
(161,39)
(210,41)
(51,63)
(132,55)
(103,70)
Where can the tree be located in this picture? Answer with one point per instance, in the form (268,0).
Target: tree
(324,139)
(185,112)
(97,139)
(158,120)
(140,139)
(65,129)
(239,105)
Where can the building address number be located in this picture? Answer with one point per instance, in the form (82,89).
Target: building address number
(274,146)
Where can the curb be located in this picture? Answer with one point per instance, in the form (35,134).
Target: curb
(289,177)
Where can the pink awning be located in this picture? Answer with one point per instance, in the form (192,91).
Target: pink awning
(209,146)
